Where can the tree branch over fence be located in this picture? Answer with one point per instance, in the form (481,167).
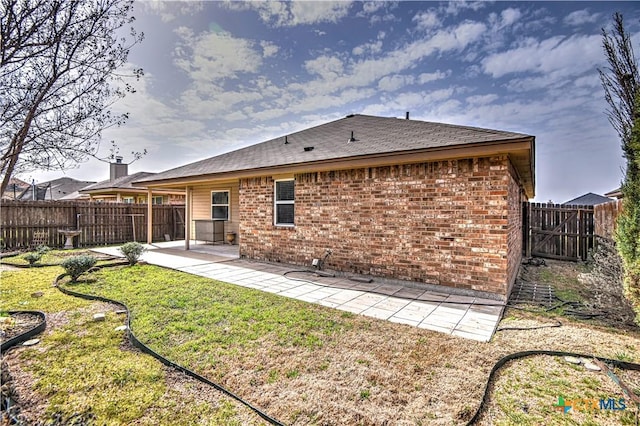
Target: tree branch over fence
(59,79)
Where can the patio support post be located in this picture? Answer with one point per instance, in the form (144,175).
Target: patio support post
(187,218)
(150,217)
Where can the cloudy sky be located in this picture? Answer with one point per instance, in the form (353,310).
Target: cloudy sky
(223,75)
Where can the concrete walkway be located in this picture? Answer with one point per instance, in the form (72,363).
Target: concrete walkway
(463,316)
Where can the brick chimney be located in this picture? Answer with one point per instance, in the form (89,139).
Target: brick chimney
(118,169)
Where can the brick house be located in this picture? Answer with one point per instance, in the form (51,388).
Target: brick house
(393,198)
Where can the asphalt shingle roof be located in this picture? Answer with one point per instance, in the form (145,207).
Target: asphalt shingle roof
(330,141)
(54,189)
(123,182)
(588,199)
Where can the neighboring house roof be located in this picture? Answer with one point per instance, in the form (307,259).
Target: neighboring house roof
(53,189)
(373,137)
(616,193)
(75,195)
(15,188)
(123,182)
(588,199)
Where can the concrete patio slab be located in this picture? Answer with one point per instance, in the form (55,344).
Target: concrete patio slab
(462,316)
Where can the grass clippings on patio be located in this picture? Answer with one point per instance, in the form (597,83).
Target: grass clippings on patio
(307,364)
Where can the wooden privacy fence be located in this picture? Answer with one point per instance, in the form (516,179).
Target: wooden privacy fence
(557,231)
(605,216)
(23,222)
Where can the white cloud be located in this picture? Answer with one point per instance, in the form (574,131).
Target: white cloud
(370,7)
(205,106)
(468,32)
(168,11)
(365,72)
(567,56)
(591,80)
(510,16)
(373,47)
(580,17)
(478,100)
(151,123)
(394,82)
(268,49)
(378,11)
(327,67)
(502,26)
(289,14)
(427,20)
(419,100)
(235,116)
(432,76)
(312,12)
(211,56)
(455,7)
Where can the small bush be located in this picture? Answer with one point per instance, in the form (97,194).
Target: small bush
(42,249)
(32,258)
(78,265)
(132,251)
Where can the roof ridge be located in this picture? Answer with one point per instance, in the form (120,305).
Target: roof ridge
(374,135)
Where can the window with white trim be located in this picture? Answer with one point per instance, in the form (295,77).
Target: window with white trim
(284,209)
(128,200)
(220,205)
(157,199)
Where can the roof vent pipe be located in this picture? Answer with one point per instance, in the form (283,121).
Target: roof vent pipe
(407,116)
(286,141)
(351,139)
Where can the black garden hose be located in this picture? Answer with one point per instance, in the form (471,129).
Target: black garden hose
(144,348)
(501,362)
(518,355)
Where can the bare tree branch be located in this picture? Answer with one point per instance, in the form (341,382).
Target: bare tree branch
(59,62)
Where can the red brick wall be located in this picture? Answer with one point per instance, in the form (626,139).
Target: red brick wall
(451,223)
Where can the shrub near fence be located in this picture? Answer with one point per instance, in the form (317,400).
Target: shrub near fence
(605,216)
(98,223)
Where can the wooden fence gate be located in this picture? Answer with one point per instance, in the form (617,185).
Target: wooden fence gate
(557,231)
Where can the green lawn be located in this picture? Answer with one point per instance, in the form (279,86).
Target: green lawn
(87,371)
(198,322)
(299,362)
